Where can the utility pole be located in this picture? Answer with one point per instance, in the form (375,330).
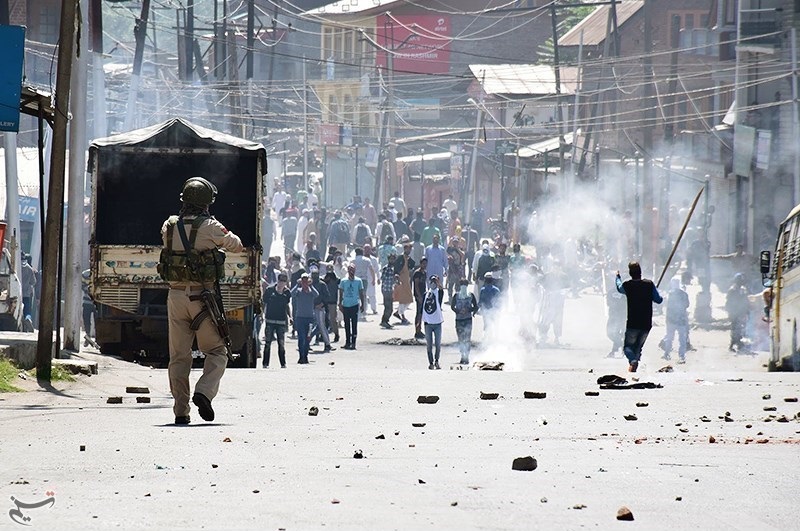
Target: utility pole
(271,72)
(98,75)
(55,203)
(422,181)
(473,166)
(377,192)
(140,32)
(648,250)
(391,109)
(598,102)
(73,307)
(12,200)
(249,71)
(189,40)
(559,111)
(305,126)
(672,86)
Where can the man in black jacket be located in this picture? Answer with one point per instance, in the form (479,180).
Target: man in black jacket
(641,294)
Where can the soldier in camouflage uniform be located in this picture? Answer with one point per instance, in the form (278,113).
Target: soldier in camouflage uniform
(188,274)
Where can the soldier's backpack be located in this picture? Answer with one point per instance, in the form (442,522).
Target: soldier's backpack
(189,265)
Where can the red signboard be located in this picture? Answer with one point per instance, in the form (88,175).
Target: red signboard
(421,43)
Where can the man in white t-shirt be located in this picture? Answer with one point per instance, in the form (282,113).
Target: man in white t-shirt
(450,204)
(279,200)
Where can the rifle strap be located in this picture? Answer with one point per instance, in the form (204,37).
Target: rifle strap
(198,320)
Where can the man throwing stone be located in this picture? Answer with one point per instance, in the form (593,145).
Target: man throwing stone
(641,294)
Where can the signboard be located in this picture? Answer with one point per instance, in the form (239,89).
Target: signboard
(347,135)
(28,209)
(744,142)
(418,109)
(12,51)
(504,147)
(328,134)
(528,116)
(421,43)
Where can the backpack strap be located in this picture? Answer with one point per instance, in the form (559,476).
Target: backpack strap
(187,246)
(196,223)
(171,222)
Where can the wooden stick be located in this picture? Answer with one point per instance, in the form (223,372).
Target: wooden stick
(680,235)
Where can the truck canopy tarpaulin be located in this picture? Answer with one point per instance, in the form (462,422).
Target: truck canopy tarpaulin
(133,188)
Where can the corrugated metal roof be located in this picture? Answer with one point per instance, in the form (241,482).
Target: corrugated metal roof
(594,26)
(523,79)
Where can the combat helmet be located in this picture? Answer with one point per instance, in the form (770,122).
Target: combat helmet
(198,191)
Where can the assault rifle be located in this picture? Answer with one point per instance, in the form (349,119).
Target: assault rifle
(216,312)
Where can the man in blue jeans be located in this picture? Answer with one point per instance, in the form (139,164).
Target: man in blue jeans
(433,318)
(351,297)
(641,294)
(303,296)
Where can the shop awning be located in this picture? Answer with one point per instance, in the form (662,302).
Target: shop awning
(545,146)
(428,157)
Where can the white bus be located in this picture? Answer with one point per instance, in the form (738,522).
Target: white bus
(782,276)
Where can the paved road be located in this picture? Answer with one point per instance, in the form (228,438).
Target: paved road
(285,469)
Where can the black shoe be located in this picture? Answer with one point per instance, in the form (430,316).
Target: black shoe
(283,365)
(203,406)
(335,339)
(419,335)
(182,421)
(329,348)
(436,365)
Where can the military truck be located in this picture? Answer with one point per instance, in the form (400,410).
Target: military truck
(137,179)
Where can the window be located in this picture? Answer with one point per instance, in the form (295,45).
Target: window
(688,21)
(348,46)
(327,42)
(730,11)
(48,24)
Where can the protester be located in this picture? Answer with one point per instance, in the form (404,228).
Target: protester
(419,282)
(455,266)
(289,231)
(430,231)
(403,291)
(433,318)
(389,280)
(277,316)
(367,273)
(303,297)
(465,307)
(320,303)
(482,264)
(332,282)
(489,300)
(738,308)
(641,294)
(351,297)
(437,258)
(677,320)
